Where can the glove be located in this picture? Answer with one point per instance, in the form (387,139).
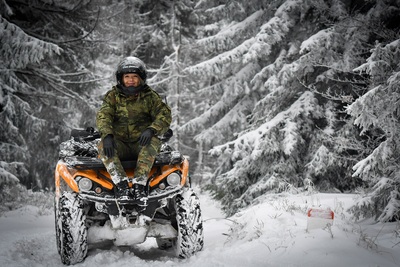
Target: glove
(109,146)
(146,136)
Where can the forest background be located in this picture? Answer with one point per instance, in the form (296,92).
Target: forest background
(267,96)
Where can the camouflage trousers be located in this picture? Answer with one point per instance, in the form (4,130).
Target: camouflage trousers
(145,156)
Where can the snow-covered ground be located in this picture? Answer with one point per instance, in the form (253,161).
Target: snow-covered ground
(272,232)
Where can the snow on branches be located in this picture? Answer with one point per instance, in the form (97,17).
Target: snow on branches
(378,110)
(30,50)
(254,140)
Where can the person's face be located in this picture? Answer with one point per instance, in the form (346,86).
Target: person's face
(131,79)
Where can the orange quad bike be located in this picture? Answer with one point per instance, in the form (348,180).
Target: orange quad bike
(87,211)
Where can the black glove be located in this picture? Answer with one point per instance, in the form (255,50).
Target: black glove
(108,146)
(146,136)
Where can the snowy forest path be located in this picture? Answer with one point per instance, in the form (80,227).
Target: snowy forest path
(269,233)
(27,238)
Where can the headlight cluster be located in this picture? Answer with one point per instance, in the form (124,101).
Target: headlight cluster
(85,184)
(174,179)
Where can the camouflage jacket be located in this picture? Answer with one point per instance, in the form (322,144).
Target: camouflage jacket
(126,117)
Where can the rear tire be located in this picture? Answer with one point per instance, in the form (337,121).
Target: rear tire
(71,230)
(190,237)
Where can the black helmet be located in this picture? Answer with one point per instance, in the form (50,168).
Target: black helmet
(131,65)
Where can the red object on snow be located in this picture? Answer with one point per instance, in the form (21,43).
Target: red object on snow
(319,218)
(321,213)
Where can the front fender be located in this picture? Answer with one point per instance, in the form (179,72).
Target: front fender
(63,172)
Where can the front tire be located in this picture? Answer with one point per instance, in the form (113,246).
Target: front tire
(190,237)
(71,230)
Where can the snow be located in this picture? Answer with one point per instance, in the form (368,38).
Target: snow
(271,232)
(304,105)
(315,40)
(7,177)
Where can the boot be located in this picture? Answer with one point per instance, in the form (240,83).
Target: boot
(122,190)
(140,194)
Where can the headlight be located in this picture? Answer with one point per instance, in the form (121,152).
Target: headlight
(174,179)
(85,184)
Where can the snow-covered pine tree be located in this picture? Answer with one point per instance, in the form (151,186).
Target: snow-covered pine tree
(177,29)
(301,56)
(41,90)
(256,95)
(216,81)
(16,115)
(377,113)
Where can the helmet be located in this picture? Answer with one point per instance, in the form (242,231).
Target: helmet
(131,65)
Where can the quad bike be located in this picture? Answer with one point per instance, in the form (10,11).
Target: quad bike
(87,211)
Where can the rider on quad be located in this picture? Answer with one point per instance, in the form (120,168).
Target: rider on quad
(125,183)
(130,120)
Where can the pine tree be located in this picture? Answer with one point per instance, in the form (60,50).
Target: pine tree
(16,115)
(276,95)
(256,100)
(167,78)
(377,114)
(42,89)
(216,79)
